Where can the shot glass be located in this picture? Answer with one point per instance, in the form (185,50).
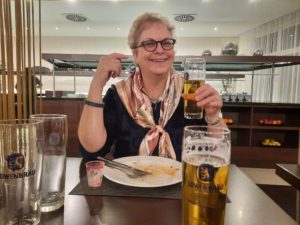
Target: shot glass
(194,77)
(94,173)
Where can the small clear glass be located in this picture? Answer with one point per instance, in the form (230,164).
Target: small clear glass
(94,173)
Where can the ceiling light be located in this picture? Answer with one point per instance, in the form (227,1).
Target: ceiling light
(181,28)
(56,28)
(215,28)
(118,28)
(88,28)
(75,17)
(184,17)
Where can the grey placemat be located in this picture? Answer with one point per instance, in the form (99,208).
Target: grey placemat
(109,188)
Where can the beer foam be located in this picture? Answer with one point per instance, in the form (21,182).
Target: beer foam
(203,140)
(199,159)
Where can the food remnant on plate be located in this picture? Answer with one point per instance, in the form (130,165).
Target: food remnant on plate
(156,168)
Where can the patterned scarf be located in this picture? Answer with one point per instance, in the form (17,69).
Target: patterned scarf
(139,107)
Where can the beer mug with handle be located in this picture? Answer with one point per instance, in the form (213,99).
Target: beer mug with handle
(54,167)
(205,157)
(21,158)
(194,77)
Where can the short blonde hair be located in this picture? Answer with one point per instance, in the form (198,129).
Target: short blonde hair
(142,22)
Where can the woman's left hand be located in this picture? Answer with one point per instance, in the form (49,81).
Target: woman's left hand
(208,98)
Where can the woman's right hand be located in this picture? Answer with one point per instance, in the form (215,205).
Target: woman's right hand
(108,66)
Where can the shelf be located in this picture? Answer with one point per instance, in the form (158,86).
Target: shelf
(240,137)
(213,63)
(239,126)
(261,148)
(240,116)
(237,105)
(262,157)
(247,133)
(279,128)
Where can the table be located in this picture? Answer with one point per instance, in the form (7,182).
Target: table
(249,206)
(291,174)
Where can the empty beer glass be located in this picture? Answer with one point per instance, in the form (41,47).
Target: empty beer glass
(54,167)
(21,158)
(205,157)
(194,77)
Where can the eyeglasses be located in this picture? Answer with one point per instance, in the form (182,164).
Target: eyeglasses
(151,45)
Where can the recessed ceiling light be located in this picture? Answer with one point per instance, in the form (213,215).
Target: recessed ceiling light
(118,28)
(75,17)
(181,28)
(56,28)
(216,29)
(88,28)
(184,17)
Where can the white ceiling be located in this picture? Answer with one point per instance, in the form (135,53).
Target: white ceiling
(114,17)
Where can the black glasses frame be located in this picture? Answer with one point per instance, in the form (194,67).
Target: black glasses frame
(162,44)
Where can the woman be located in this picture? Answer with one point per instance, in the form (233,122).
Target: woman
(143,114)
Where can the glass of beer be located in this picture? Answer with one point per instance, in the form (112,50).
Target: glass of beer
(194,77)
(205,158)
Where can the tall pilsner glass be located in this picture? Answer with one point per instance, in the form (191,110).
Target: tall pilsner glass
(54,167)
(194,77)
(205,157)
(21,159)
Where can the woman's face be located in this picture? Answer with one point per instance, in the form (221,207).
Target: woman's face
(160,61)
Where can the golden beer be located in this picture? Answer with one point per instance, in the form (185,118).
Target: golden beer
(204,189)
(191,110)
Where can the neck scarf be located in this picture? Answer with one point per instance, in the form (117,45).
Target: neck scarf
(138,105)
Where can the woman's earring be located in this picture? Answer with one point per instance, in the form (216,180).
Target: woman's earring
(137,68)
(132,68)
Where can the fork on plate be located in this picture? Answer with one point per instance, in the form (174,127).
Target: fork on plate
(128,170)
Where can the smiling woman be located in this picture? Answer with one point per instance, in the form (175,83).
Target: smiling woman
(143,114)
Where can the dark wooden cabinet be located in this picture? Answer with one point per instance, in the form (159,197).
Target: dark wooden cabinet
(248,133)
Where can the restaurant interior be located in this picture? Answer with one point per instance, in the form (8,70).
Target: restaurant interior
(251,49)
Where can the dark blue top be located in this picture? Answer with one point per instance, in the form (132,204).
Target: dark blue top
(124,136)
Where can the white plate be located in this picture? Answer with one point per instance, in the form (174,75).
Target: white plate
(165,171)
